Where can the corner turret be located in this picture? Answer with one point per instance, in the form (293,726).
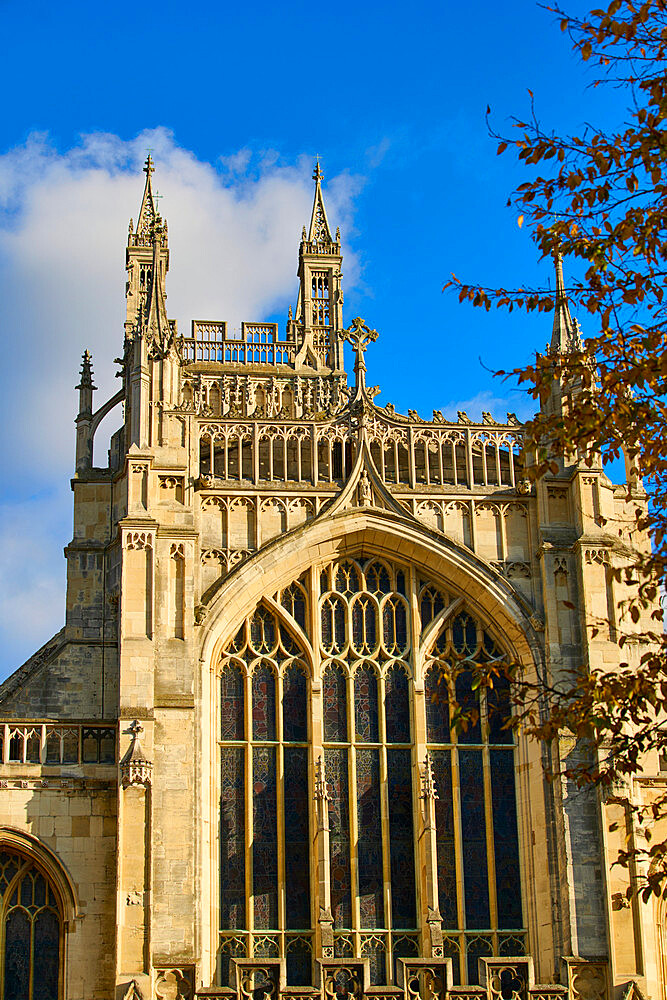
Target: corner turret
(149,334)
(318,322)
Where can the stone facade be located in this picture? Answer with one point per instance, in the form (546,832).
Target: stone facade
(229,766)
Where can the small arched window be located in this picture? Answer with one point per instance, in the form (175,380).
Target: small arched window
(31,926)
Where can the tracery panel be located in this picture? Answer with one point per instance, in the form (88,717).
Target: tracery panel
(364,713)
(367,651)
(264,797)
(472,757)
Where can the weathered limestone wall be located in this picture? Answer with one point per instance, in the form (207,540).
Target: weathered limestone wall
(75,818)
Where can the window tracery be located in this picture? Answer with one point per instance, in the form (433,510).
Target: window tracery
(472,756)
(264,798)
(31,926)
(364,717)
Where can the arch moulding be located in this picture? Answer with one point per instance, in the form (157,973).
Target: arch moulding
(379,533)
(32,848)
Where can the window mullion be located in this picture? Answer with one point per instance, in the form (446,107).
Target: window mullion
(488,812)
(280,810)
(458,851)
(31,955)
(384,816)
(250,902)
(352,804)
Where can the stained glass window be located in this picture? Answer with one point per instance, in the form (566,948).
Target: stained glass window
(232,699)
(508,881)
(363,705)
(335,704)
(263,702)
(401,839)
(475,812)
(437,705)
(441,761)
(264,838)
(339,836)
(295,706)
(32,923)
(366,705)
(369,846)
(297,865)
(397,704)
(273,843)
(232,837)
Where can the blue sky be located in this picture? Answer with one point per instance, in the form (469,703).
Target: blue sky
(236,100)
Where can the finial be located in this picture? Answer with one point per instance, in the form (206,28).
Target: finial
(148,167)
(337,234)
(289,312)
(130,228)
(303,233)
(317,173)
(359,336)
(560,283)
(86,371)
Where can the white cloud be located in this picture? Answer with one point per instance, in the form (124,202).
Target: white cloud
(518,402)
(233,233)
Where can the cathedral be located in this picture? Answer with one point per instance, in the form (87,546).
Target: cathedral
(237,771)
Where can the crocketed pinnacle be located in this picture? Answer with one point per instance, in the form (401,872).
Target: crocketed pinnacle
(148,212)
(566,335)
(86,371)
(320,231)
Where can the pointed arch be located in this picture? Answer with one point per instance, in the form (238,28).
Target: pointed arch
(35,850)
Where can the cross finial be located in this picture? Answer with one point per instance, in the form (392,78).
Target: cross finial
(149,168)
(317,172)
(359,336)
(135,728)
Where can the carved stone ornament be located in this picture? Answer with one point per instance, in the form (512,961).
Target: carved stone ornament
(365,490)
(135,767)
(523,487)
(174,983)
(537,623)
(201,612)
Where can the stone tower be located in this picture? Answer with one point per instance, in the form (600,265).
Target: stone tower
(234,771)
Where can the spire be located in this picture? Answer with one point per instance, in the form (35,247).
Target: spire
(318,318)
(319,231)
(566,335)
(149,218)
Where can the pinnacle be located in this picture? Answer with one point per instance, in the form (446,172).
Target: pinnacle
(565,335)
(86,371)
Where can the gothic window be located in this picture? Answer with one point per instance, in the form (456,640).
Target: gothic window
(472,756)
(264,821)
(367,650)
(31,927)
(365,710)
